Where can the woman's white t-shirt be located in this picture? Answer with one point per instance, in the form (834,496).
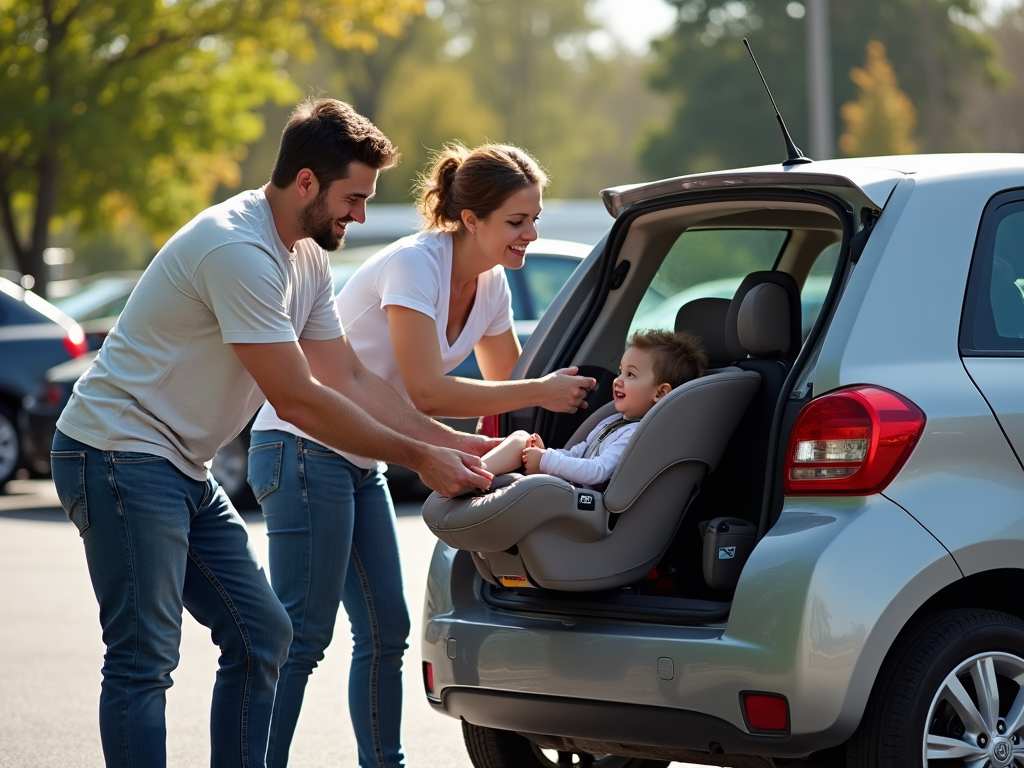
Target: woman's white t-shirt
(414,272)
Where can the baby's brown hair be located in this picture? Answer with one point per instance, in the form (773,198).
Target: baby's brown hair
(678,356)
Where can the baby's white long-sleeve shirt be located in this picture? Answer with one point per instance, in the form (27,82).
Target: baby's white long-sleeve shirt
(588,468)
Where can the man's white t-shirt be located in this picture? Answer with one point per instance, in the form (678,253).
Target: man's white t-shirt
(414,272)
(164,382)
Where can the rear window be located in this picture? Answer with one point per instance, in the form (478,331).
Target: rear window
(993,323)
(706,263)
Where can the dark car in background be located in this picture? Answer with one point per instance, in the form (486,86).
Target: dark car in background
(548,265)
(34,337)
(94,302)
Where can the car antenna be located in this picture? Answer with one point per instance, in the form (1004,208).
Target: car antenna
(793,154)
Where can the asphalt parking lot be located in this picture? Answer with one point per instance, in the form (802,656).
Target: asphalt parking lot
(51,652)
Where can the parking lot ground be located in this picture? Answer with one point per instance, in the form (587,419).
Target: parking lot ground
(51,653)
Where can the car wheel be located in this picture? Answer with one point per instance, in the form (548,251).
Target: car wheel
(10,444)
(491,748)
(231,468)
(951,695)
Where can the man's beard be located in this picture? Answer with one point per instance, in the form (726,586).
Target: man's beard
(318,224)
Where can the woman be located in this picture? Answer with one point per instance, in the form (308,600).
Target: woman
(412,312)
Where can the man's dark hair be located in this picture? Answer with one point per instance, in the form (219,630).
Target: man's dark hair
(678,356)
(326,136)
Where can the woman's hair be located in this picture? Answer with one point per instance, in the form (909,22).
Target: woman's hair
(678,356)
(479,180)
(326,136)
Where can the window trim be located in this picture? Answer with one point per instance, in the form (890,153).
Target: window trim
(979,277)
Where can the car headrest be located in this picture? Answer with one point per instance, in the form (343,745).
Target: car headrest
(764,317)
(706,319)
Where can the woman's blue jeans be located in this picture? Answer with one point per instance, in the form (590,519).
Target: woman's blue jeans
(157,541)
(333,540)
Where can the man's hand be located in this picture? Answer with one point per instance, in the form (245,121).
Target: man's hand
(475,445)
(531,460)
(451,472)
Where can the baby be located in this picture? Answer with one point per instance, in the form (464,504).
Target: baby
(654,364)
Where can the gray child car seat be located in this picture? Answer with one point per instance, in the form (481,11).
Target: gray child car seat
(543,531)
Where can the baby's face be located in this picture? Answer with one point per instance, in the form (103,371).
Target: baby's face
(634,389)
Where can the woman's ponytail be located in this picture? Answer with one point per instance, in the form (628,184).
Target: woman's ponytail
(479,180)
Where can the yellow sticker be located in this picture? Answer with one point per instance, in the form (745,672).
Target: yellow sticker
(514,581)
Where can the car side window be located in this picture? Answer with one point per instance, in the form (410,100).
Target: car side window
(993,322)
(706,263)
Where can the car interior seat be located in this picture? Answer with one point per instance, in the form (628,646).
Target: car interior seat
(543,531)
(759,330)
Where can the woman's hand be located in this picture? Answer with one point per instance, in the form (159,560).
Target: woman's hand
(531,460)
(564,390)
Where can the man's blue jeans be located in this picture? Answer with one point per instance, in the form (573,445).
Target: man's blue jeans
(157,541)
(333,540)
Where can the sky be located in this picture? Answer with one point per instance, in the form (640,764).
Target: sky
(636,22)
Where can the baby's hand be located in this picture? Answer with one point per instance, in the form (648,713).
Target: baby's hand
(535,441)
(531,460)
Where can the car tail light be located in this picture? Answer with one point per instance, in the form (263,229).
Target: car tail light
(428,678)
(851,442)
(766,712)
(52,394)
(75,342)
(489,426)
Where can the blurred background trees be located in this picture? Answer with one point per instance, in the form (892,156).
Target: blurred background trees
(121,119)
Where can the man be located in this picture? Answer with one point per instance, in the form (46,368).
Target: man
(132,453)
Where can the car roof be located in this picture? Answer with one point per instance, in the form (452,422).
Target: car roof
(862,180)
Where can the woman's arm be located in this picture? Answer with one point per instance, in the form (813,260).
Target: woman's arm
(414,340)
(497,355)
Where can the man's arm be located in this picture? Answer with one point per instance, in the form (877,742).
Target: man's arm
(335,363)
(283,374)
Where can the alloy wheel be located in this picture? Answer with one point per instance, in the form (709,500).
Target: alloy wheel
(976,718)
(10,446)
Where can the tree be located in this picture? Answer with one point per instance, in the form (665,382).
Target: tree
(127,108)
(881,121)
(720,116)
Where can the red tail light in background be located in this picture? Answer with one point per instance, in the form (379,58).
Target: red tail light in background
(75,342)
(489,426)
(851,442)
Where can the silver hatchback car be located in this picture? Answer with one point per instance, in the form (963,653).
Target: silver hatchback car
(847,586)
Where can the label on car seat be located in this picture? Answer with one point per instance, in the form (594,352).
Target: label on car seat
(726,553)
(585,501)
(514,581)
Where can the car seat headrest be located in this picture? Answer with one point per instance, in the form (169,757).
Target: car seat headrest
(706,319)
(763,322)
(770,320)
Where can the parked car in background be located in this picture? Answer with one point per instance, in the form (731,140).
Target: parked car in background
(34,337)
(95,302)
(549,264)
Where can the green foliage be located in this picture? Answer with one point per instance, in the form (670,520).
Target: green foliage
(114,109)
(490,70)
(721,116)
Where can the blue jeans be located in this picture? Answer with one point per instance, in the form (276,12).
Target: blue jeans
(333,540)
(157,541)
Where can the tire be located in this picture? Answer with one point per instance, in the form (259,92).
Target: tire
(10,444)
(942,697)
(491,748)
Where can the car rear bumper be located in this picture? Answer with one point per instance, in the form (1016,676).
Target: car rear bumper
(810,621)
